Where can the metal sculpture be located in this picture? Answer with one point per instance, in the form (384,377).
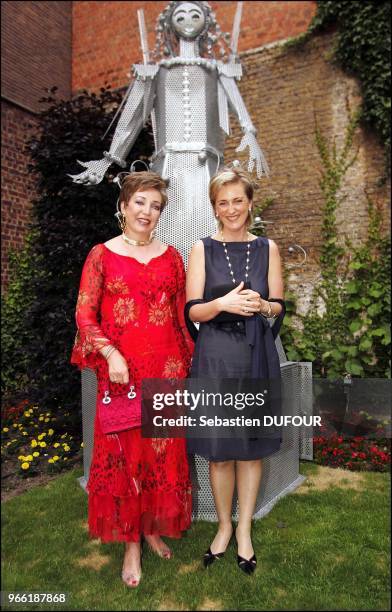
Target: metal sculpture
(188,93)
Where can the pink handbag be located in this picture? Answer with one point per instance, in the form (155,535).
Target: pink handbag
(120,412)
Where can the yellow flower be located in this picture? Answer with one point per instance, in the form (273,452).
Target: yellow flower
(50,460)
(41,418)
(36,454)
(65,458)
(29,458)
(42,435)
(48,414)
(21,457)
(51,432)
(27,413)
(5,429)
(24,433)
(25,466)
(63,436)
(66,447)
(34,443)
(56,458)
(56,444)
(47,420)
(42,444)
(15,425)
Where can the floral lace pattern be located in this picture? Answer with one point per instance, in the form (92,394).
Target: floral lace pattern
(136,485)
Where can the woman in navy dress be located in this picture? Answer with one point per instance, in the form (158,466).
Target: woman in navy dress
(239,349)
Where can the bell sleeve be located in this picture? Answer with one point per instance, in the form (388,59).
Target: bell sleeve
(89,336)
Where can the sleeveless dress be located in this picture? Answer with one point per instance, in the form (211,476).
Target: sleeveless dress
(224,351)
(136,485)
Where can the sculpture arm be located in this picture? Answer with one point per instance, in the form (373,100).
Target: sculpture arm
(128,127)
(256,155)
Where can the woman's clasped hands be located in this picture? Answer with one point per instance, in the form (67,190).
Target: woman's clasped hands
(242,301)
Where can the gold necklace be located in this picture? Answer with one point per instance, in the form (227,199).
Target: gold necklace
(138,242)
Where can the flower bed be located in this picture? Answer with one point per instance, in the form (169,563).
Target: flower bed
(31,435)
(357,453)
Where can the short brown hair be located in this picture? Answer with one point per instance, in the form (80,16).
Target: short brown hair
(231,175)
(140,181)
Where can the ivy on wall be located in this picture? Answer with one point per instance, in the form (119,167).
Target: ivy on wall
(347,326)
(363,49)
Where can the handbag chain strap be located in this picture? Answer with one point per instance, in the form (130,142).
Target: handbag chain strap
(131,395)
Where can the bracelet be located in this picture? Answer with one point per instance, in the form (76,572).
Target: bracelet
(108,351)
(105,349)
(269,313)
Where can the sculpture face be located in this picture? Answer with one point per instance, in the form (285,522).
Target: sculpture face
(188,20)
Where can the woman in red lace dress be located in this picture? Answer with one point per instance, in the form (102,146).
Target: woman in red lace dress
(131,326)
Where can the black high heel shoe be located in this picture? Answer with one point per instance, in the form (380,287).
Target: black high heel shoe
(209,557)
(247,565)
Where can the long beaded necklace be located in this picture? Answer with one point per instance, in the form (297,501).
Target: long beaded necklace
(229,262)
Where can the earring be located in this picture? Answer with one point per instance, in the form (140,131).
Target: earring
(122,222)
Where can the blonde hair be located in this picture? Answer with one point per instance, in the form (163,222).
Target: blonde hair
(227,176)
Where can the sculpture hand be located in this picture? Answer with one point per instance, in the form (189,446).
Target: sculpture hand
(255,154)
(94,173)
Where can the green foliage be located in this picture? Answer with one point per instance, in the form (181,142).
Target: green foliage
(363,50)
(346,329)
(259,228)
(14,333)
(68,219)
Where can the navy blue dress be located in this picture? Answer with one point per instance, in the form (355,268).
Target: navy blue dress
(236,350)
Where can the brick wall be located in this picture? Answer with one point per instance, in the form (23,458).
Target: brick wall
(107,57)
(283,92)
(36,54)
(36,50)
(18,185)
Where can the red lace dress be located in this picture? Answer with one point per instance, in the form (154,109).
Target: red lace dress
(136,485)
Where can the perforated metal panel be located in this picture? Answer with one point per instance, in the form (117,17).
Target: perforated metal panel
(280,470)
(306,407)
(190,146)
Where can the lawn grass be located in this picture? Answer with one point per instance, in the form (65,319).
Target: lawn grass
(323,547)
